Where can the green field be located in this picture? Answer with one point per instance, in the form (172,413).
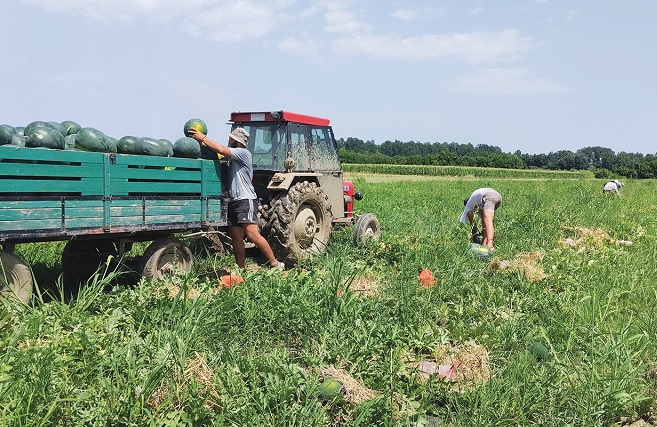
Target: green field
(459,353)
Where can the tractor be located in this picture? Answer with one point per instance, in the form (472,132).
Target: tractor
(299,182)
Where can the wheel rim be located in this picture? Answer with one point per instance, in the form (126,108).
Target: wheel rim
(306,227)
(169,263)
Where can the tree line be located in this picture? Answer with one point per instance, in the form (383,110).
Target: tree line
(604,162)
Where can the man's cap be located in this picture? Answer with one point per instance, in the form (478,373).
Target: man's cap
(240,135)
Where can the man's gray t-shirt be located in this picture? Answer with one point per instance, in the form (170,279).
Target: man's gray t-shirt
(240,175)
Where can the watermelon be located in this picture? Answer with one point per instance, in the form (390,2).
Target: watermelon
(20,130)
(197,124)
(111,141)
(6,135)
(169,145)
(130,145)
(90,139)
(156,147)
(539,351)
(481,251)
(71,127)
(45,137)
(34,125)
(61,128)
(330,388)
(187,147)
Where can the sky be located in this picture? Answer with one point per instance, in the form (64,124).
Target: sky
(535,76)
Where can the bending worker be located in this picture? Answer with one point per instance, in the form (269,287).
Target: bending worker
(483,202)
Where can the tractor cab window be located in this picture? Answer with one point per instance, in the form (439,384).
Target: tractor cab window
(299,143)
(323,150)
(267,145)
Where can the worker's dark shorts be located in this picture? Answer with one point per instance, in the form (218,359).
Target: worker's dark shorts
(243,212)
(491,200)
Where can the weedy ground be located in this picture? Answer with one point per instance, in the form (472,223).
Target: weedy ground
(573,270)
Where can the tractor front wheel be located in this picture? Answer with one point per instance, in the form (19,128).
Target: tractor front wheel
(300,223)
(366,229)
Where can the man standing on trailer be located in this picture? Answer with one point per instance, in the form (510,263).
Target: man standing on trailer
(243,201)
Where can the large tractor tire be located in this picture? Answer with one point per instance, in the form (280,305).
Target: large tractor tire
(15,277)
(166,256)
(366,229)
(81,259)
(300,223)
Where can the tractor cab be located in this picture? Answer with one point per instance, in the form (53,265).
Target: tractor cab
(288,147)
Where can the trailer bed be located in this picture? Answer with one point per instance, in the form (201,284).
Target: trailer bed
(50,194)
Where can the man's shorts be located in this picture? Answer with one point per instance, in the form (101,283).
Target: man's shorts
(491,200)
(243,212)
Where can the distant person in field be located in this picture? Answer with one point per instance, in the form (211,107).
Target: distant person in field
(243,201)
(482,202)
(612,187)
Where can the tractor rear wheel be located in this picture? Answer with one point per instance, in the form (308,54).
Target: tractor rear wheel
(300,223)
(15,277)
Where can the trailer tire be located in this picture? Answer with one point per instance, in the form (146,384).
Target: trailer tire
(366,229)
(300,223)
(15,277)
(165,256)
(81,259)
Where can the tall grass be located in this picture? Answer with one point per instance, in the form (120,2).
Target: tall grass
(186,352)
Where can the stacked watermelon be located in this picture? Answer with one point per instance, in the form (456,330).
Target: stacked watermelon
(69,135)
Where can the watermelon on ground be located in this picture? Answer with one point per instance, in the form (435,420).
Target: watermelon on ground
(197,124)
(90,139)
(187,147)
(480,251)
(45,137)
(130,145)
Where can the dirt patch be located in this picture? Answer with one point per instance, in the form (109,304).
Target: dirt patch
(354,390)
(526,265)
(364,286)
(196,370)
(582,236)
(462,366)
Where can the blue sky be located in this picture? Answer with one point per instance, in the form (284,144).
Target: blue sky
(537,76)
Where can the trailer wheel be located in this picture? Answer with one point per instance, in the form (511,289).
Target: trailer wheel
(366,229)
(300,223)
(81,259)
(165,256)
(15,277)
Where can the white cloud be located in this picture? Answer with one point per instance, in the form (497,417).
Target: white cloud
(124,10)
(405,14)
(232,21)
(340,20)
(505,82)
(474,47)
(572,14)
(298,46)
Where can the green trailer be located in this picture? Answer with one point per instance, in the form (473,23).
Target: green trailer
(101,203)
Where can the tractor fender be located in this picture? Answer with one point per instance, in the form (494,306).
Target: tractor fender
(282,181)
